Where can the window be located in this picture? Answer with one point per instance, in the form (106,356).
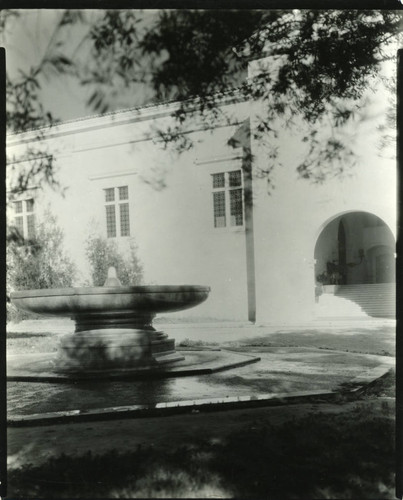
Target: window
(228,198)
(24,218)
(219,209)
(117,211)
(124,219)
(110,221)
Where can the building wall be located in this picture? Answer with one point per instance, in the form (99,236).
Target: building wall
(171,204)
(171,207)
(290,219)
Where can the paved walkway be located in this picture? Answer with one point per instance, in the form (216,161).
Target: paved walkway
(265,374)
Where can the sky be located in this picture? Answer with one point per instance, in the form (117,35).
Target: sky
(26,39)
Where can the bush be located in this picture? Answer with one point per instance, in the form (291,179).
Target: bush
(103,253)
(38,263)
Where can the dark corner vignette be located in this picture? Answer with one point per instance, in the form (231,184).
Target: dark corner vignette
(399,295)
(3,434)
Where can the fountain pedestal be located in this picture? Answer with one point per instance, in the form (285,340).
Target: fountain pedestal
(115,349)
(114,329)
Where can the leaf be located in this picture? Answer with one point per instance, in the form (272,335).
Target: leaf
(71,17)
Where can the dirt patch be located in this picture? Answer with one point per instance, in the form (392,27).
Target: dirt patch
(32,342)
(380,341)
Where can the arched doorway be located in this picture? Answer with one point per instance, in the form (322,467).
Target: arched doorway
(355,257)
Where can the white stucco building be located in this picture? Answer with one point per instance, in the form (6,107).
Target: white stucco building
(205,217)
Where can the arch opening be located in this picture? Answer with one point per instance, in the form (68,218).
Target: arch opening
(355,259)
(355,248)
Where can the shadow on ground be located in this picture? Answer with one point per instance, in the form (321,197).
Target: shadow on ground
(336,453)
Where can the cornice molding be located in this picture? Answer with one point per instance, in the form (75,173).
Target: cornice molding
(115,118)
(111,174)
(218,159)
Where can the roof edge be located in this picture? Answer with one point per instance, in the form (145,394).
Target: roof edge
(145,111)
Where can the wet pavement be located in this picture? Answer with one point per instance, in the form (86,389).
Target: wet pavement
(280,370)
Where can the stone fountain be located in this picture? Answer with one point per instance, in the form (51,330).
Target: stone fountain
(113,323)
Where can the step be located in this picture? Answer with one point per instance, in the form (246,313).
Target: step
(377,300)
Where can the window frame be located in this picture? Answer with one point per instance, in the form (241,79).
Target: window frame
(27,227)
(227,188)
(121,220)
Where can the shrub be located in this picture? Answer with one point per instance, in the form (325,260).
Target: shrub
(38,263)
(103,253)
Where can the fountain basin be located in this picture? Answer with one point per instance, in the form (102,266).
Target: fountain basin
(75,302)
(113,324)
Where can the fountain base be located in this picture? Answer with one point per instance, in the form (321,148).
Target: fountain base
(115,348)
(43,367)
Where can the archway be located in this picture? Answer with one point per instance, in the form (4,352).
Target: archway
(355,248)
(355,259)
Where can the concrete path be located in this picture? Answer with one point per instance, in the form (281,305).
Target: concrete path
(278,375)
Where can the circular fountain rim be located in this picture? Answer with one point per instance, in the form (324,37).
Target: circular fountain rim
(102,290)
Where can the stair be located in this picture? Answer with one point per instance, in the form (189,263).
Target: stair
(376,300)
(331,307)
